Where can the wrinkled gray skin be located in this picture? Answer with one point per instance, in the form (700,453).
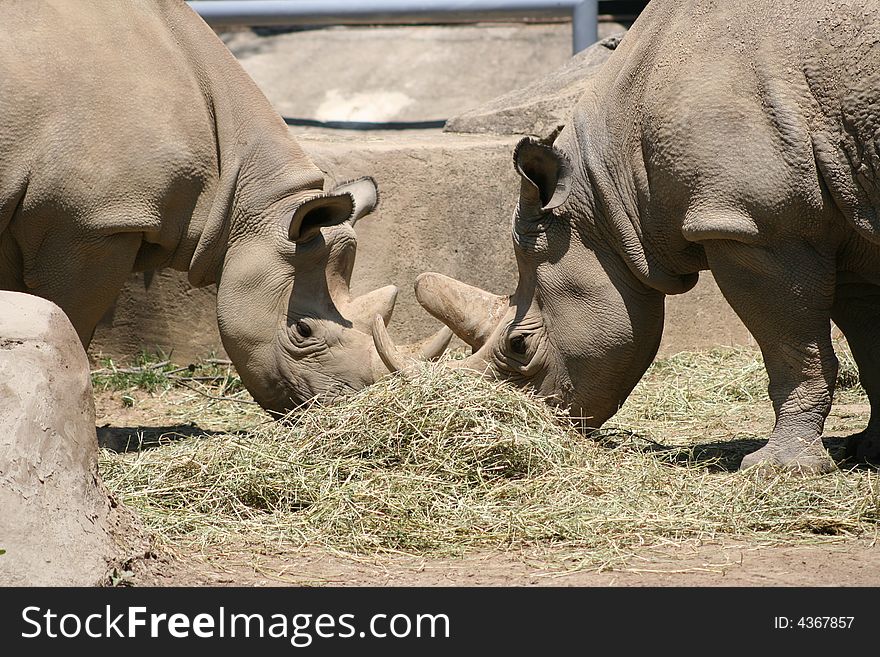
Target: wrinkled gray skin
(131,140)
(737,137)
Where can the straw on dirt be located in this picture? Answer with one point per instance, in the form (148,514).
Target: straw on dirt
(446,462)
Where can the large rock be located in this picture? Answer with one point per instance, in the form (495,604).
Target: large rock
(58,524)
(541,107)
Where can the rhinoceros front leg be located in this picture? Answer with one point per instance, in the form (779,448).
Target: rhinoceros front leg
(784,297)
(83,275)
(857,312)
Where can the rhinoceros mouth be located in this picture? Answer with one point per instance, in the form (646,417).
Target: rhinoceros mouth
(298,396)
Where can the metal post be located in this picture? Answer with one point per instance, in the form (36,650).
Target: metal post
(584,13)
(584,25)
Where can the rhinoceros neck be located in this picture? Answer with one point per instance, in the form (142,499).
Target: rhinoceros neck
(258,161)
(608,137)
(251,183)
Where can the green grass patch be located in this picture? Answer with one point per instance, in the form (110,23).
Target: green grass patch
(153,372)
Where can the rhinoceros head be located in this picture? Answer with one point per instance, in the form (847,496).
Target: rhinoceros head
(579,328)
(285,310)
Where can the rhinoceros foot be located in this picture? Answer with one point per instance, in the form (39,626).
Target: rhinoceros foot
(803,458)
(864,447)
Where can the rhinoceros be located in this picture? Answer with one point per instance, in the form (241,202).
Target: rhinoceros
(132,140)
(737,137)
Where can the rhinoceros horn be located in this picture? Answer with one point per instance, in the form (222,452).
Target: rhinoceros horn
(432,347)
(393,359)
(470,312)
(396,361)
(361,310)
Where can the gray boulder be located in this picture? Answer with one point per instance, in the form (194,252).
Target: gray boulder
(541,107)
(59,525)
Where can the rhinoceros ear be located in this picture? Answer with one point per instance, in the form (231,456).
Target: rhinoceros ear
(311,216)
(546,176)
(365,195)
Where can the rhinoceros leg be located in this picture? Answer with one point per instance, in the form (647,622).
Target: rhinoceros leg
(857,313)
(83,275)
(784,297)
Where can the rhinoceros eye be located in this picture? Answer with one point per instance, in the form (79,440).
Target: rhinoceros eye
(303,329)
(518,344)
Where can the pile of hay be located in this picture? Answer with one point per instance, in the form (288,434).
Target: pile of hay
(445,462)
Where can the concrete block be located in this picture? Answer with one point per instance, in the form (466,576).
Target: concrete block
(58,524)
(445,206)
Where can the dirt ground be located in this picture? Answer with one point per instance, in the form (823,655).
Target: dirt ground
(827,562)
(845,563)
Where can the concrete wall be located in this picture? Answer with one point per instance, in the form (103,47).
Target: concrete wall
(446,201)
(397,73)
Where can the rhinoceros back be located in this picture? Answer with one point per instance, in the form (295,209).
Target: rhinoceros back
(119,116)
(99,108)
(760,92)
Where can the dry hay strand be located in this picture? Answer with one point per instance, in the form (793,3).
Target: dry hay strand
(444,462)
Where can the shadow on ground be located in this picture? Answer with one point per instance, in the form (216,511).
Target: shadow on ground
(136,439)
(722,455)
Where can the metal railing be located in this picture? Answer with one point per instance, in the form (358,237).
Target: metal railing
(583,13)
